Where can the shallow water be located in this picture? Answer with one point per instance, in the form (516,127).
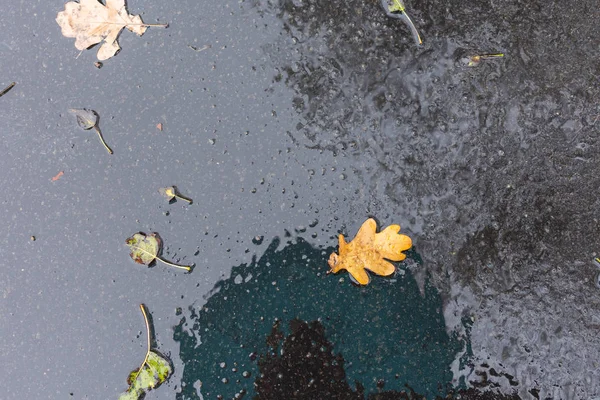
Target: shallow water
(302,119)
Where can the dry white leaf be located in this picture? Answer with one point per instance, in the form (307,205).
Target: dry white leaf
(91,22)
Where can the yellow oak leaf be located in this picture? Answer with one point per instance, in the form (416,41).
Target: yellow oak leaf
(368,250)
(91,22)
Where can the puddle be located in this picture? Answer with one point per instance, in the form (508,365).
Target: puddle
(388,333)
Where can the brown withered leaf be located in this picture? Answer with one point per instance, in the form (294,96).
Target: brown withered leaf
(91,22)
(368,251)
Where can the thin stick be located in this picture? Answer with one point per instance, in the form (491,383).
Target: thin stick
(205,47)
(7,89)
(102,140)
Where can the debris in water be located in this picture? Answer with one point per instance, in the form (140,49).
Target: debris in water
(474,61)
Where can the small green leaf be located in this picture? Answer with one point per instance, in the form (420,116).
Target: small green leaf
(144,249)
(153,372)
(396,6)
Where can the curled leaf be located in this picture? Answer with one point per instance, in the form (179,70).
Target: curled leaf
(88,119)
(144,249)
(154,370)
(368,251)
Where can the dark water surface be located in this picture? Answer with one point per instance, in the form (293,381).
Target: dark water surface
(300,120)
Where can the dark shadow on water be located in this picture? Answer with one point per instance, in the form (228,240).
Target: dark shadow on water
(307,368)
(386,332)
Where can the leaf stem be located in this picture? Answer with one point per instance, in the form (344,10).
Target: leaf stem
(186,267)
(157,25)
(126,24)
(413,29)
(143,308)
(102,140)
(190,201)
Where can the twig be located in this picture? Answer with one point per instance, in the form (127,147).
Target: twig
(205,47)
(7,89)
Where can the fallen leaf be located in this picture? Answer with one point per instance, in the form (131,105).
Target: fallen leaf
(368,250)
(159,126)
(396,9)
(172,193)
(88,119)
(147,248)
(91,22)
(153,372)
(57,176)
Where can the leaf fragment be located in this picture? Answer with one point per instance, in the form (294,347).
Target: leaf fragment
(91,22)
(57,176)
(171,193)
(154,370)
(369,250)
(88,119)
(144,249)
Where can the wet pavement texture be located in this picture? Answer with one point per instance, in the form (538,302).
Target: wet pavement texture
(298,120)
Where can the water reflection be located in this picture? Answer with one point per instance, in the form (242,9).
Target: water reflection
(386,332)
(490,167)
